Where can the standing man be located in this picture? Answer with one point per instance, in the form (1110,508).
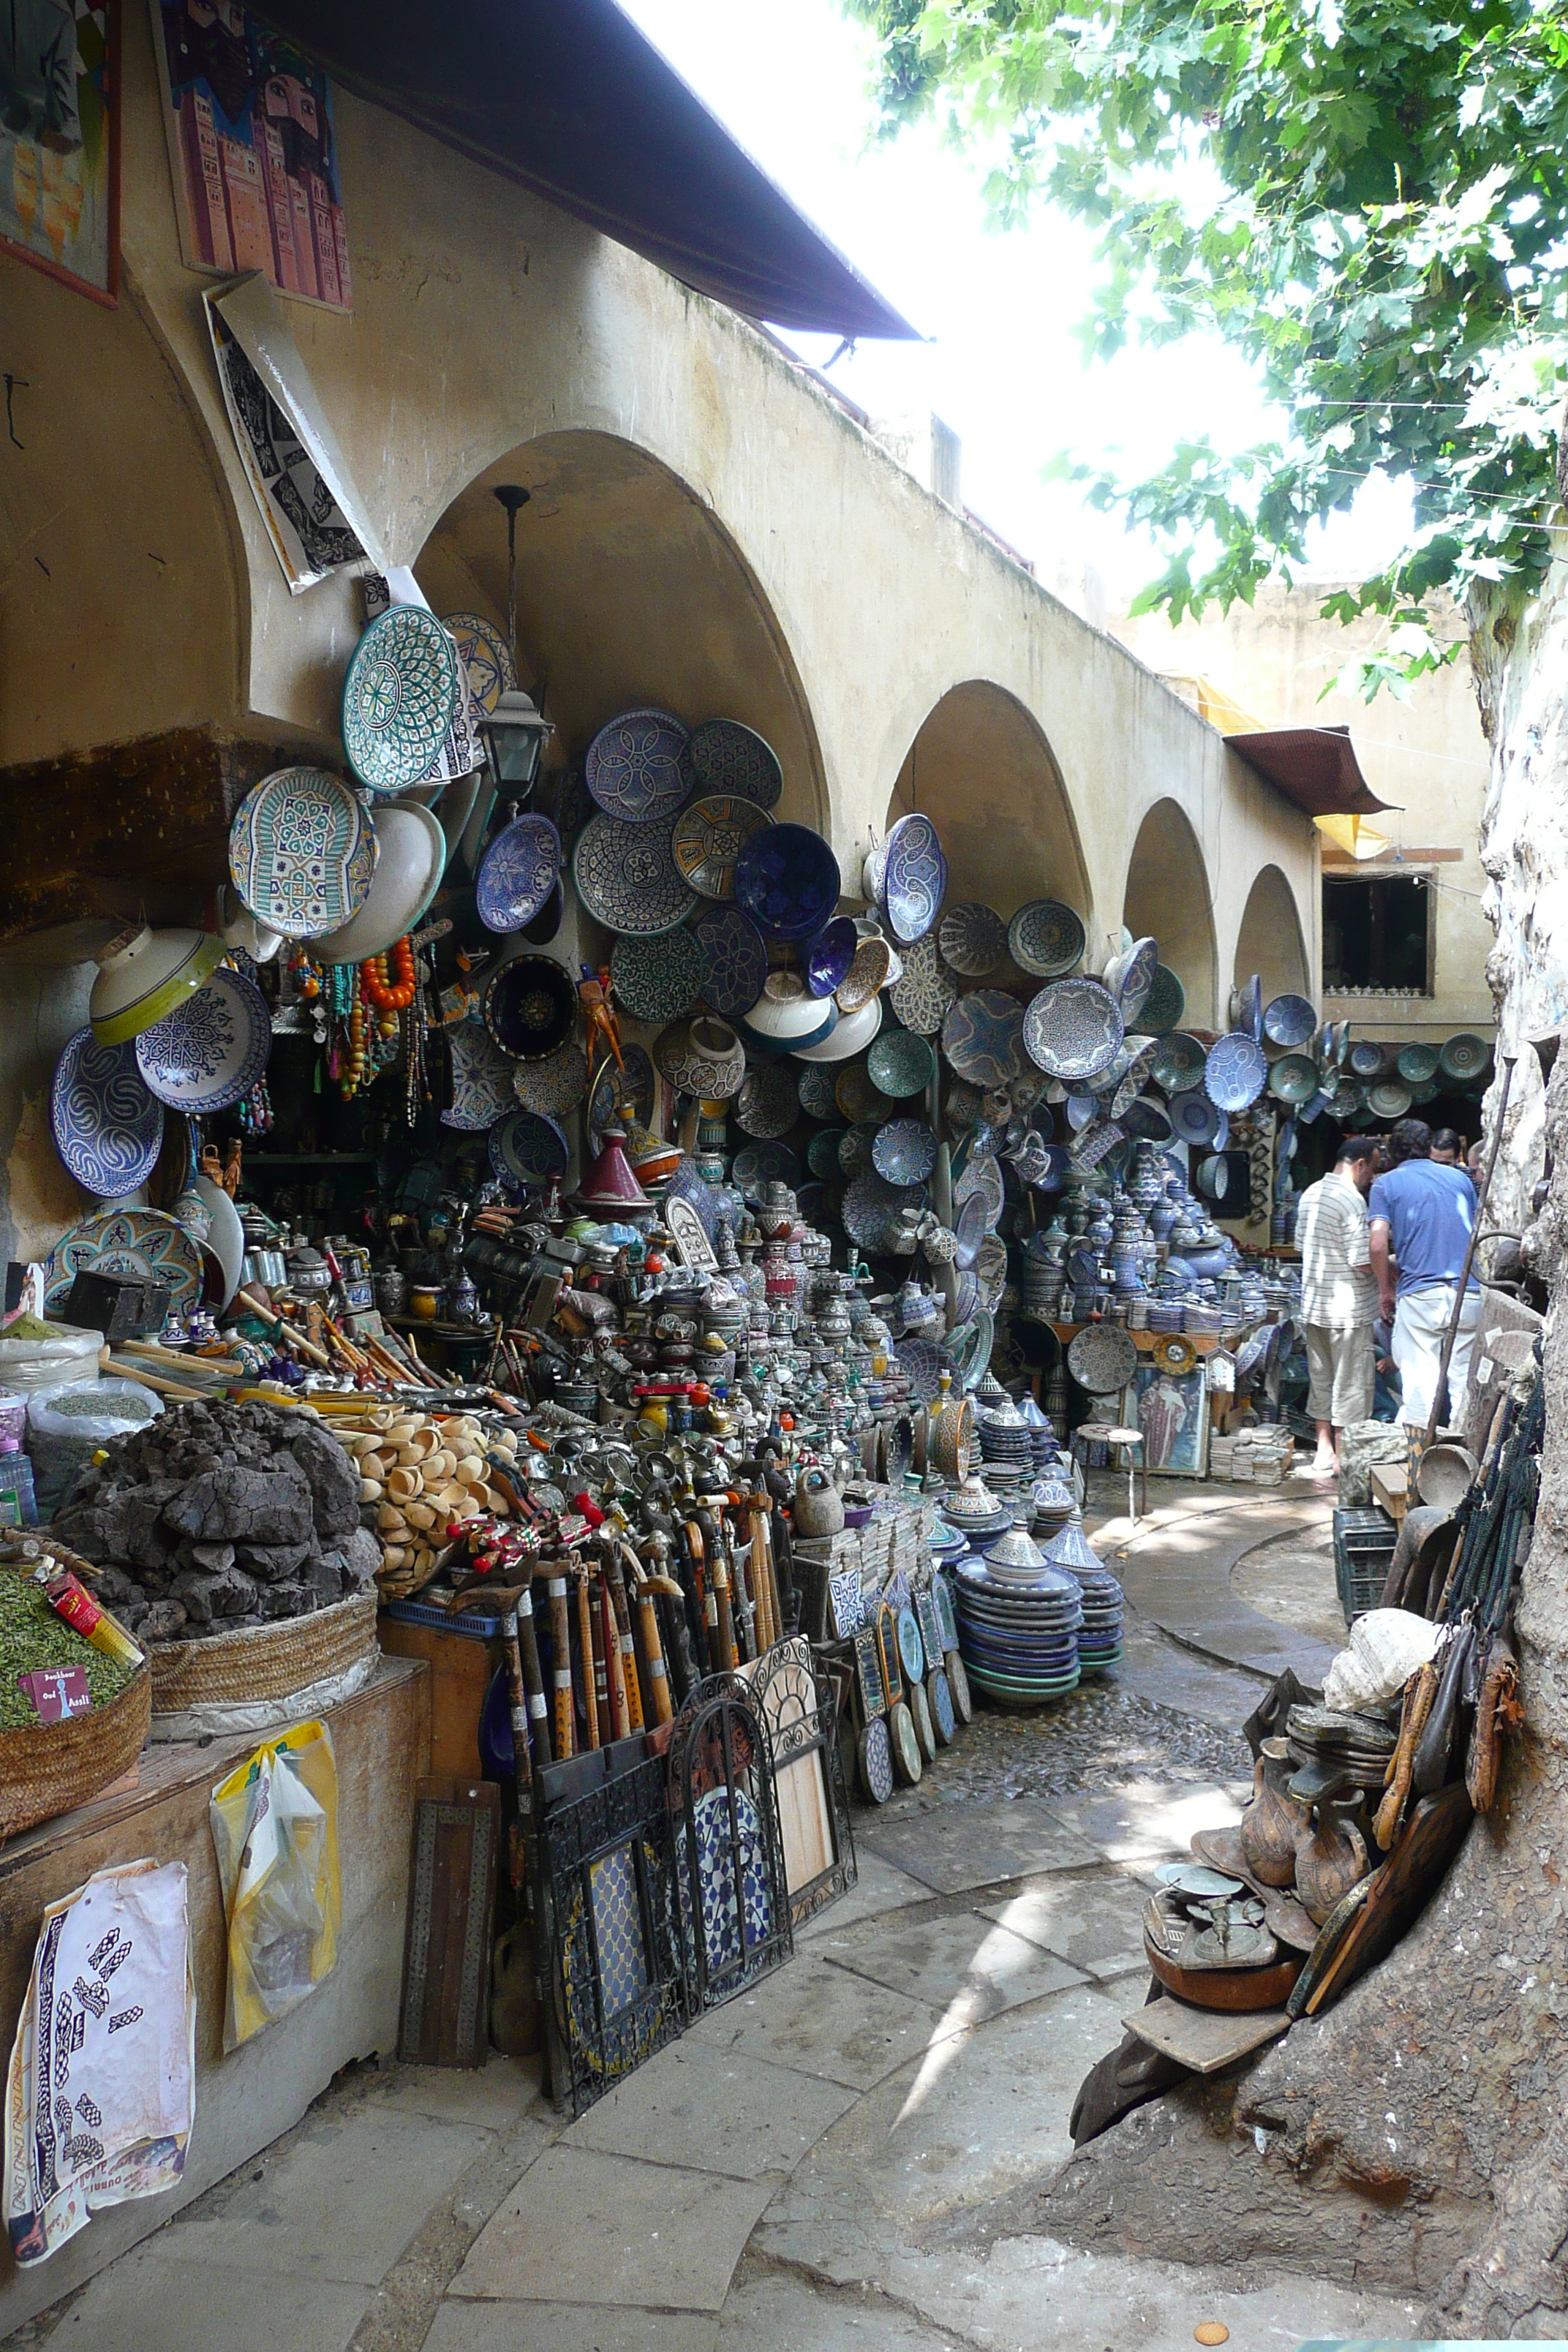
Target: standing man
(1422,1219)
(1339,1297)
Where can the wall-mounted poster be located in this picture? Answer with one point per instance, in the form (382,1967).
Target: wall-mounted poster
(59,139)
(252,151)
(1172,1408)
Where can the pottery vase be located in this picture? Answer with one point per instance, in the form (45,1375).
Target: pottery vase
(1274,1822)
(1331,1858)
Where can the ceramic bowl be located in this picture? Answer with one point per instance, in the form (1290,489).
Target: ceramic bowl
(900,1064)
(787,880)
(904,1150)
(708,838)
(1178,1063)
(915,878)
(108,1124)
(734,960)
(237,928)
(658,979)
(1293,1079)
(408,876)
(225,1235)
(829,956)
(518,873)
(853,1035)
(1365,1058)
(1074,1029)
(1236,1072)
(785,1025)
(1389,1100)
(142,975)
(973,938)
(212,1049)
(526,1149)
(401,691)
(529,1007)
(703,1057)
(1464,1057)
(1289,1021)
(1164,1007)
(1418,1064)
(303,851)
(637,769)
(727,757)
(1047,938)
(870,970)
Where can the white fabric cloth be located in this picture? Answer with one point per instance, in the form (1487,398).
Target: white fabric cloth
(1339,1289)
(1420,1324)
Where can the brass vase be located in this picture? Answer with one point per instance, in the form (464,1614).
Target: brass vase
(1274,1822)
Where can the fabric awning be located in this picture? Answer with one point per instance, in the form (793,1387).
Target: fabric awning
(1316,767)
(571,99)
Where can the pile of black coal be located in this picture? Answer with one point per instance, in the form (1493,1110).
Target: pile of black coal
(216,1517)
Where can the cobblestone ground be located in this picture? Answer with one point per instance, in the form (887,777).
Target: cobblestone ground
(1100,1736)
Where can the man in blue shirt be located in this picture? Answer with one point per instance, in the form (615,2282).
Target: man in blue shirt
(1422,1217)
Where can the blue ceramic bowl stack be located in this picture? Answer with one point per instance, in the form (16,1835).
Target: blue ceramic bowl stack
(1099,1635)
(1019,1620)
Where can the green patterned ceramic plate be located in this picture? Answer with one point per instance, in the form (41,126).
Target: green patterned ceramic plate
(656,979)
(400,698)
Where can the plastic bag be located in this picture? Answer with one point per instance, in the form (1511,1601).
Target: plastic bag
(66,1353)
(69,1422)
(275,1827)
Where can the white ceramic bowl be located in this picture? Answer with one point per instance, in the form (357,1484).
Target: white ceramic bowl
(855,1031)
(225,1235)
(143,975)
(408,876)
(782,1025)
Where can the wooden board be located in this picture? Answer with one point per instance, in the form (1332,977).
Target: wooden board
(460,1667)
(1397,1893)
(1391,1488)
(1204,2039)
(451,1921)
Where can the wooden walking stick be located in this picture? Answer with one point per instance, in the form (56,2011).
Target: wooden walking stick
(1509,1061)
(533,1675)
(560,1643)
(659,1696)
(618,1587)
(522,1759)
(615,1665)
(594,1690)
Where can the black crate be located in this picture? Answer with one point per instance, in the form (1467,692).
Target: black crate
(1364,1541)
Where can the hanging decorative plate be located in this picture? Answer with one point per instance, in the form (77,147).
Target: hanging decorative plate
(517,874)
(818,1090)
(1073,1029)
(858,1097)
(1194,1118)
(1246,1009)
(141,1241)
(108,1126)
(613,1096)
(1130,1068)
(301,851)
(869,969)
(1289,1021)
(637,768)
(1165,1004)
(409,870)
(213,1050)
(822,1151)
(707,839)
(973,938)
(969,1230)
(734,960)
(1102,1359)
(1293,1079)
(854,1146)
(962,1103)
(401,694)
(530,1006)
(982,1036)
(627,878)
(1418,1064)
(915,879)
(1389,1100)
(726,757)
(1426,1091)
(762,1164)
(1365,1058)
(967,1350)
(769,1101)
(787,880)
(911,1649)
(1236,1072)
(1178,1063)
(1464,1057)
(828,958)
(485,655)
(481,1079)
(982,1178)
(656,979)
(527,1149)
(922,1364)
(872,1209)
(991,1272)
(1046,937)
(1130,976)
(925,991)
(555,1086)
(904,1150)
(900,1064)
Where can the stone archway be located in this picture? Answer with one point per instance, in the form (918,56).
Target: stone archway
(629,592)
(1269,941)
(1167,899)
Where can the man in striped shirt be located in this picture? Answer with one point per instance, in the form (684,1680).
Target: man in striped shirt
(1338,1296)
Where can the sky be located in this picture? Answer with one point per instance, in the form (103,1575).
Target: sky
(1003,365)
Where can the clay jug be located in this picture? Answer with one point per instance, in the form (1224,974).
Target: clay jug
(1330,1859)
(819,1506)
(1274,1822)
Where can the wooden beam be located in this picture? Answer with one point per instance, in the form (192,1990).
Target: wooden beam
(1340,864)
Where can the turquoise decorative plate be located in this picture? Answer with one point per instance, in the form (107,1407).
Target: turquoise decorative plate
(302,851)
(142,1241)
(900,1064)
(400,696)
(485,655)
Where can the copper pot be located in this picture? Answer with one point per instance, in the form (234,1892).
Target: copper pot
(1274,1822)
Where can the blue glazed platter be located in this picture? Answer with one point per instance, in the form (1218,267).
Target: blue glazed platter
(517,874)
(729,757)
(108,1125)
(904,1150)
(982,1036)
(787,880)
(212,1050)
(734,960)
(637,768)
(914,878)
(1073,1029)
(829,956)
(526,1149)
(1236,1072)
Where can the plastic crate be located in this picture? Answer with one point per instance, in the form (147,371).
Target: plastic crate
(1365,1542)
(475,1625)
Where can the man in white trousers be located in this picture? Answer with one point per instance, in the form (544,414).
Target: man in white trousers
(1422,1218)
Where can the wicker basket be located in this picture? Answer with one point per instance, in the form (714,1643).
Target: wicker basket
(263,1662)
(48,1768)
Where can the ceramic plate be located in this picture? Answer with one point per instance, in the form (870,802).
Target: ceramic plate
(401,694)
(734,960)
(925,991)
(1293,1079)
(968,1349)
(1147,1118)
(871,967)
(409,870)
(128,1241)
(900,1064)
(822,1151)
(1463,1057)
(108,1125)
(1236,1072)
(526,1149)
(818,1091)
(656,980)
(729,757)
(828,958)
(921,1362)
(787,880)
(1289,1021)
(982,1036)
(708,838)
(225,1235)
(904,1150)
(982,1179)
(973,938)
(302,853)
(872,1210)
(1417,1065)
(1130,975)
(1389,1100)
(1165,1004)
(213,1050)
(1365,1058)
(769,1101)
(529,1007)
(1193,1118)
(1046,938)
(1246,1009)
(517,874)
(1073,1029)
(1178,1063)
(481,1079)
(628,878)
(636,768)
(914,880)
(762,1164)
(1102,1359)
(485,655)
(853,1033)
(555,1086)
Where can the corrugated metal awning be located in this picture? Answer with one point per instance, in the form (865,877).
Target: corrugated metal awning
(571,99)
(1316,767)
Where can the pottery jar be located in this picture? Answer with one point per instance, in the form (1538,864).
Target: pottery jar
(1274,1822)
(819,1509)
(1331,1858)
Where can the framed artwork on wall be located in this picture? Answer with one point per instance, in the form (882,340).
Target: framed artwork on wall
(60,140)
(1172,1408)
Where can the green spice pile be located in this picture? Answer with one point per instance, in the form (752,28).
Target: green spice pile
(32,1636)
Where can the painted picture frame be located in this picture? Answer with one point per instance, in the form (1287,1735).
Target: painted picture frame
(60,140)
(1172,1408)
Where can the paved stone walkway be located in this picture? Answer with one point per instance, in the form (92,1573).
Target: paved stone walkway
(831,2160)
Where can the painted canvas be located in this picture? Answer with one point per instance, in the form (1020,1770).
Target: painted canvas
(1172,1408)
(59,139)
(252,150)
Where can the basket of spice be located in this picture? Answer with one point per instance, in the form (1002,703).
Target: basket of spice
(76,1693)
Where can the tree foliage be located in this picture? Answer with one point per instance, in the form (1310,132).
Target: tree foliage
(1382,232)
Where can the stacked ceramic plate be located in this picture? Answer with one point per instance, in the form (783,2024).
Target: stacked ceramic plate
(1004,1436)
(1019,1620)
(1099,1635)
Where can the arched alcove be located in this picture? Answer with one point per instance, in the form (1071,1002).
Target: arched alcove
(629,592)
(1167,899)
(1269,940)
(981,767)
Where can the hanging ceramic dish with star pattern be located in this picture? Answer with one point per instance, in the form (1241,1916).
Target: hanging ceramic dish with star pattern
(729,757)
(517,874)
(925,991)
(656,980)
(914,880)
(1046,938)
(212,1050)
(982,1036)
(973,938)
(734,960)
(637,769)
(628,878)
(401,694)
(708,838)
(1073,1029)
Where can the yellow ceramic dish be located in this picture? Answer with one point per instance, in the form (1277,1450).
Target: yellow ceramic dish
(143,975)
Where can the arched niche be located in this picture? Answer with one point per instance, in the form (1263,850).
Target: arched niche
(1269,940)
(1167,899)
(629,592)
(981,770)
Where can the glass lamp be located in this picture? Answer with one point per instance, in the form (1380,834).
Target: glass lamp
(513,735)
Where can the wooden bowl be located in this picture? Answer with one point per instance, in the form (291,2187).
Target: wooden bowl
(1234,1990)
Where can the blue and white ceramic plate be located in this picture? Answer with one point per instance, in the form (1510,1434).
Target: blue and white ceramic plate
(558,1084)
(729,757)
(303,851)
(517,874)
(1289,1021)
(1236,1073)
(1073,1029)
(401,694)
(734,960)
(982,1036)
(914,880)
(707,837)
(921,1362)
(656,979)
(638,769)
(768,1104)
(1130,975)
(481,1079)
(762,1164)
(142,1241)
(108,1125)
(982,1180)
(1246,1009)
(787,880)
(973,938)
(526,1149)
(904,1150)
(485,655)
(628,878)
(1046,938)
(212,1050)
